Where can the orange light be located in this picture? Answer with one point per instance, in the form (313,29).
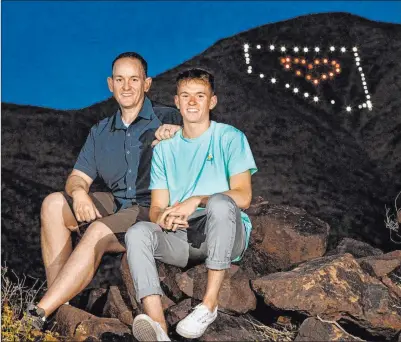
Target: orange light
(287,66)
(308,77)
(296,60)
(298,73)
(310,66)
(303,61)
(333,62)
(316,81)
(337,65)
(325,60)
(324,76)
(317,61)
(338,70)
(282,60)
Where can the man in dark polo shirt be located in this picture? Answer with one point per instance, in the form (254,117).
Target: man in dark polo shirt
(118,150)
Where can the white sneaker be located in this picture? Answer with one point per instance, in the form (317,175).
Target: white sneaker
(146,329)
(195,324)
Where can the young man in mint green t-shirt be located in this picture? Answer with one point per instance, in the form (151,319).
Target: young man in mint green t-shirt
(200,179)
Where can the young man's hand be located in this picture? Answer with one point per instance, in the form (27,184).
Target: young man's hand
(164,132)
(177,216)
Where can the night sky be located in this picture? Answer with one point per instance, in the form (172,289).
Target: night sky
(59,54)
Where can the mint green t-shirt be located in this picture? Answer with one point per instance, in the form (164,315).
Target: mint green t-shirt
(202,166)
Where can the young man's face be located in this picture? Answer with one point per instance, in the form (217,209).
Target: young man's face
(128,83)
(195,99)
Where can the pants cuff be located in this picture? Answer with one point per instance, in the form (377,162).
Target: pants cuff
(217,265)
(148,292)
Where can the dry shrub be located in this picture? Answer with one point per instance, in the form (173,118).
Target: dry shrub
(393,221)
(276,332)
(16,296)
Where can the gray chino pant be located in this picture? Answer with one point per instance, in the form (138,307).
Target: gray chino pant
(220,226)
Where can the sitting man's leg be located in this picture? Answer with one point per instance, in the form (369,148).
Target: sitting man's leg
(57,222)
(81,266)
(225,241)
(78,266)
(146,242)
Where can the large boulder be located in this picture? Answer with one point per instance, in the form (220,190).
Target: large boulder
(357,248)
(167,276)
(335,288)
(176,313)
(97,329)
(381,265)
(235,293)
(116,307)
(67,319)
(288,235)
(129,287)
(231,328)
(313,329)
(78,325)
(256,261)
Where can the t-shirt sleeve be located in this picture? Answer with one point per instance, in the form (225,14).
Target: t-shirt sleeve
(158,179)
(86,159)
(240,157)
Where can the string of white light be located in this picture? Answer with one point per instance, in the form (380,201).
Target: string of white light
(287,65)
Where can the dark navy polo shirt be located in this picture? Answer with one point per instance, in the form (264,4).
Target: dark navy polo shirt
(122,155)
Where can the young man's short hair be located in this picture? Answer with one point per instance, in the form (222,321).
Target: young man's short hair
(132,55)
(196,73)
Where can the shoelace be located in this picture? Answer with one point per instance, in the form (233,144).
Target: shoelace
(195,312)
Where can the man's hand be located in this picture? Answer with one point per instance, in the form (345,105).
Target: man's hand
(84,208)
(176,216)
(178,221)
(165,132)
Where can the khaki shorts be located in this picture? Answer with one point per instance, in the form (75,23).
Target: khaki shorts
(118,222)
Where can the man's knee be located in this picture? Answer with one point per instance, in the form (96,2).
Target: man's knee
(138,234)
(53,203)
(221,204)
(97,232)
(55,210)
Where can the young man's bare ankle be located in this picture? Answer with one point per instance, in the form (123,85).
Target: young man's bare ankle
(210,304)
(164,327)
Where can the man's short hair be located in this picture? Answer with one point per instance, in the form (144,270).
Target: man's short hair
(132,55)
(196,73)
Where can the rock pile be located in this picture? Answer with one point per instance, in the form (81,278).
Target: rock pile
(286,284)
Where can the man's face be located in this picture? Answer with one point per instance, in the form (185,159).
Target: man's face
(128,83)
(195,100)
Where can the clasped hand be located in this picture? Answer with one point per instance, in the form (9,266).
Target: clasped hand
(176,216)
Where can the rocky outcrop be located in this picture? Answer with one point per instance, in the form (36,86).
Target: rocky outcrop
(290,235)
(231,328)
(380,266)
(235,294)
(358,249)
(115,307)
(335,288)
(333,297)
(342,297)
(315,330)
(78,325)
(102,329)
